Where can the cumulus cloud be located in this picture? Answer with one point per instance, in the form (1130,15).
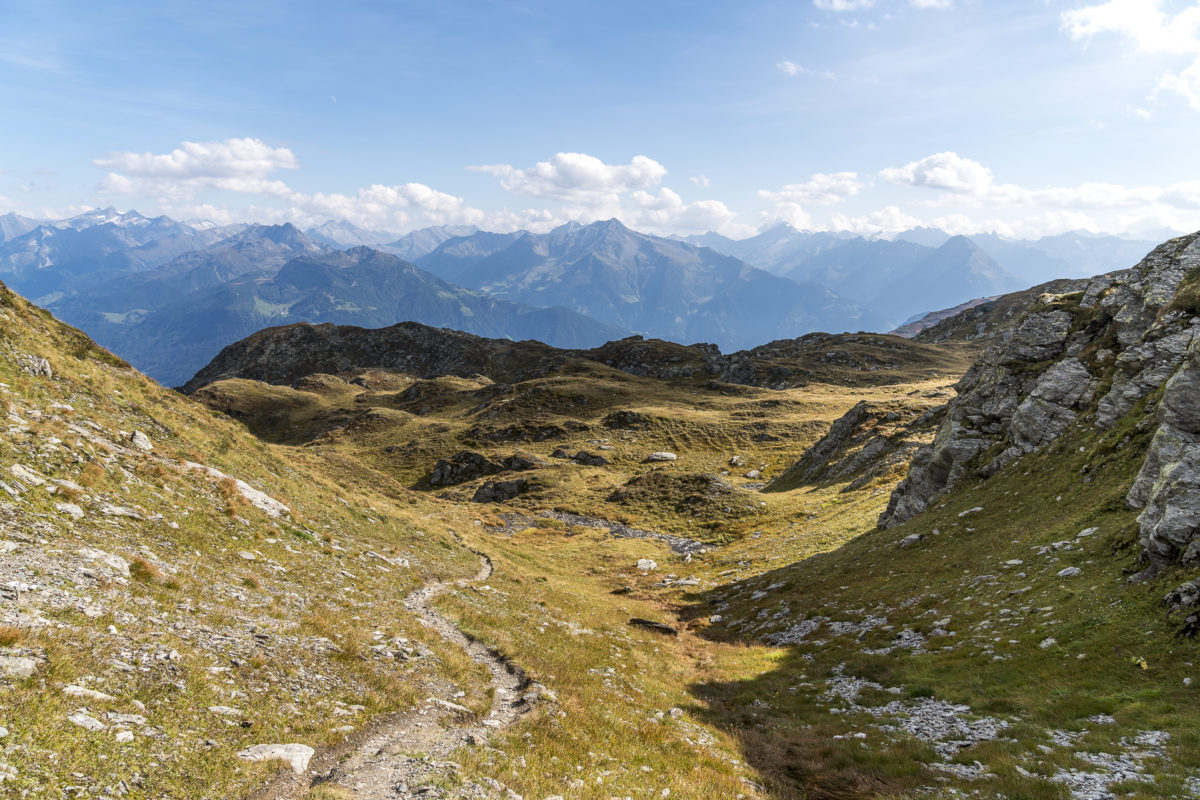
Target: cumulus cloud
(665,211)
(947,171)
(844,5)
(590,189)
(1150,29)
(245,166)
(239,165)
(821,189)
(884,221)
(577,177)
(701,180)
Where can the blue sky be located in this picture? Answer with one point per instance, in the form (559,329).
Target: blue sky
(870,115)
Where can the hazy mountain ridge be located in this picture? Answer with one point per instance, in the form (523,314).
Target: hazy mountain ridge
(660,287)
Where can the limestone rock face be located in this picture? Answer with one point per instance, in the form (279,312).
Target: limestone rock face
(1088,357)
(1168,486)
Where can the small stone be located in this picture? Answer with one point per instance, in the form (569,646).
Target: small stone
(70,509)
(737,461)
(754,473)
(225,711)
(296,755)
(17,667)
(646,564)
(910,540)
(26,475)
(124,737)
(246,555)
(86,721)
(1047,643)
(141,441)
(115,563)
(660,456)
(1069,572)
(71,690)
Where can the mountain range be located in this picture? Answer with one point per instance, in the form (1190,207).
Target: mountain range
(168,295)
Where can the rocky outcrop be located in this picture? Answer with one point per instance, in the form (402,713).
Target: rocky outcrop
(867,443)
(468,465)
(1088,357)
(500,491)
(1168,486)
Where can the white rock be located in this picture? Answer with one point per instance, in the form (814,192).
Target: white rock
(446,704)
(225,711)
(910,540)
(1069,572)
(71,690)
(3,732)
(25,474)
(124,737)
(974,510)
(660,456)
(72,510)
(246,555)
(269,505)
(1047,643)
(110,510)
(297,755)
(87,721)
(17,666)
(646,564)
(141,441)
(125,719)
(115,563)
(754,473)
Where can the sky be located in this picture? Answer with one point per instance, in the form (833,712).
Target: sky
(872,116)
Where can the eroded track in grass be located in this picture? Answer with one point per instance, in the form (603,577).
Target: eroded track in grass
(401,755)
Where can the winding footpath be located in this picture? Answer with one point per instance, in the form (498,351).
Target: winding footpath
(399,755)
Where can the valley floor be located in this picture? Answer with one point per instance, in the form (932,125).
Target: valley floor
(176,593)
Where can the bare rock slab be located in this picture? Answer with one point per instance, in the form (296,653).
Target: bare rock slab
(296,755)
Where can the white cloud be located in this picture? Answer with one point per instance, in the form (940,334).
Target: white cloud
(821,188)
(1150,29)
(790,68)
(665,211)
(884,221)
(577,177)
(793,214)
(245,166)
(239,165)
(844,5)
(701,180)
(947,171)
(938,4)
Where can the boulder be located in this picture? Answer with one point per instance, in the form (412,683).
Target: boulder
(461,467)
(660,456)
(500,491)
(657,627)
(297,756)
(590,459)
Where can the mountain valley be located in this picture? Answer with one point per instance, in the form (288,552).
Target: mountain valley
(670,556)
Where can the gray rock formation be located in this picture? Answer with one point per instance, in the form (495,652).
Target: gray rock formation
(1130,333)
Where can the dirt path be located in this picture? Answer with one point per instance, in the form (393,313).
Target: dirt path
(400,755)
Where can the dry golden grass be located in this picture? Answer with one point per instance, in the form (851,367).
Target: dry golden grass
(11,635)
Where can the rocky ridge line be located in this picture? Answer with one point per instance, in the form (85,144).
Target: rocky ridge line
(1089,356)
